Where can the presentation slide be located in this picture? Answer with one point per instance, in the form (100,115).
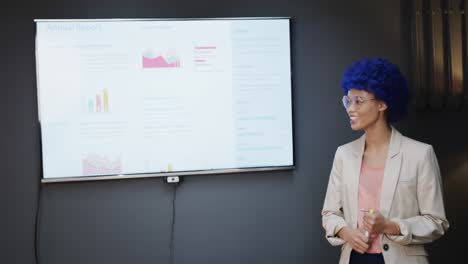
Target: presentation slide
(122,97)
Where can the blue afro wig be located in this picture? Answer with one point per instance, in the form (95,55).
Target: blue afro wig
(384,80)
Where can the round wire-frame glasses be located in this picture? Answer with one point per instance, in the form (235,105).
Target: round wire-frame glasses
(356,100)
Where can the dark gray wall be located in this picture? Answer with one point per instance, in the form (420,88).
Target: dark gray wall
(237,218)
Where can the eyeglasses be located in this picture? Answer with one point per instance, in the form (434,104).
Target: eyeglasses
(356,100)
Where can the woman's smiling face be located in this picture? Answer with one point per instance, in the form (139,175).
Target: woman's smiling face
(364,110)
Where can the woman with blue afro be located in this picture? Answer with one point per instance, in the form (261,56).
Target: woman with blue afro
(384,196)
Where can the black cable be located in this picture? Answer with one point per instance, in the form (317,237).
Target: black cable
(37,225)
(171,245)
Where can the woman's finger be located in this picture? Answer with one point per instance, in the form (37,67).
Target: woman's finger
(361,240)
(358,248)
(361,248)
(368,219)
(360,251)
(367,226)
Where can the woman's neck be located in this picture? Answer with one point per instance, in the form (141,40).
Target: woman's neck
(378,136)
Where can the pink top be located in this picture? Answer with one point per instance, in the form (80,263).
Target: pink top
(370,187)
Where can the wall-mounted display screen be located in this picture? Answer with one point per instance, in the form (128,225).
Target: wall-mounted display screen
(131,98)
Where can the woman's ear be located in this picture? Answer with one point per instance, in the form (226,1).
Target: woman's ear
(382,106)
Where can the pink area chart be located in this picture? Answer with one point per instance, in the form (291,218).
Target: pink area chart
(160,62)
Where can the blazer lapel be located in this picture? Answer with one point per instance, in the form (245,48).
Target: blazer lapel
(391,173)
(353,183)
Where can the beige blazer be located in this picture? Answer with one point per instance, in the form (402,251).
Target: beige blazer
(411,196)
